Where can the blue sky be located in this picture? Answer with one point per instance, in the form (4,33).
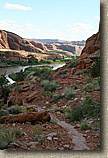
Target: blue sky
(55,19)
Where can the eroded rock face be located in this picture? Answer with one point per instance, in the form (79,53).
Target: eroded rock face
(92,45)
(3,40)
(12,55)
(39,45)
(18,43)
(42,116)
(50,46)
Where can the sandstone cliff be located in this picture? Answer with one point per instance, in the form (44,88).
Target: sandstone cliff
(39,45)
(92,45)
(3,40)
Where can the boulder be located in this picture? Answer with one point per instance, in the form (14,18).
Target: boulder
(32,96)
(42,116)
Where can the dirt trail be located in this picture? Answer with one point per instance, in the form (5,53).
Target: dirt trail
(77,138)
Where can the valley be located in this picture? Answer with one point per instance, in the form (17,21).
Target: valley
(47,108)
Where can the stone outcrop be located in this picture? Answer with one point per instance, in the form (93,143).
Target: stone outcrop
(90,53)
(70,48)
(12,56)
(92,45)
(39,45)
(3,40)
(42,116)
(50,46)
(9,40)
(18,43)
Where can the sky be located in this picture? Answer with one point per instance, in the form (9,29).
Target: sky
(50,19)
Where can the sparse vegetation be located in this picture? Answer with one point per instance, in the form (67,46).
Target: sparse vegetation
(7,136)
(49,86)
(63,72)
(96,70)
(4,89)
(73,64)
(85,126)
(69,93)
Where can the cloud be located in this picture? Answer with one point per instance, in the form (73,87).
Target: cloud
(29,25)
(81,27)
(96,17)
(22,30)
(16,7)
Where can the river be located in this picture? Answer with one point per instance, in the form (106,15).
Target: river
(10,70)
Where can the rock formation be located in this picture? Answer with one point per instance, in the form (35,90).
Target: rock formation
(50,46)
(92,45)
(12,56)
(32,117)
(3,40)
(39,45)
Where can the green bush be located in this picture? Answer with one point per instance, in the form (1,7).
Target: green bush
(63,72)
(69,93)
(1,105)
(4,113)
(73,64)
(56,97)
(7,136)
(16,109)
(93,86)
(79,72)
(96,70)
(85,126)
(49,86)
(37,130)
(16,133)
(64,77)
(88,80)
(89,108)
(76,114)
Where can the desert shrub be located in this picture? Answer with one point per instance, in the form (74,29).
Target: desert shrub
(16,109)
(95,72)
(4,89)
(44,82)
(26,82)
(69,93)
(73,64)
(55,108)
(64,77)
(93,86)
(85,71)
(47,93)
(1,105)
(79,72)
(31,87)
(89,108)
(66,110)
(43,72)
(76,114)
(56,97)
(85,126)
(37,130)
(87,79)
(4,113)
(50,86)
(16,133)
(63,72)
(7,136)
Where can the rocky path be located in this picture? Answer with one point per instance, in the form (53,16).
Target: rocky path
(77,138)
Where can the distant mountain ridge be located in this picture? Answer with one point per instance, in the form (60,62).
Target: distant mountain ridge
(79,43)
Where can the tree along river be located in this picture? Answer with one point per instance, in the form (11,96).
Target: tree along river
(10,70)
